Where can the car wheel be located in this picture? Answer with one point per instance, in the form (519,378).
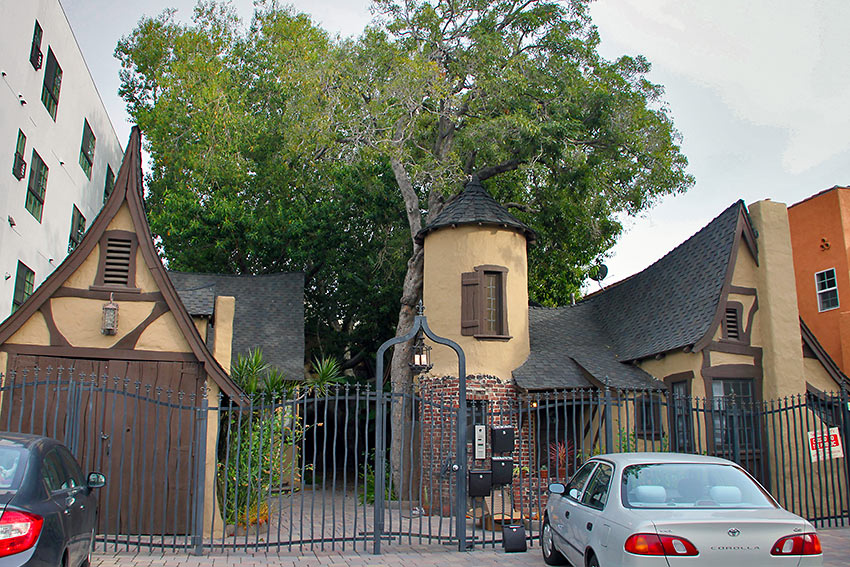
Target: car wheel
(550,555)
(87,560)
(592,561)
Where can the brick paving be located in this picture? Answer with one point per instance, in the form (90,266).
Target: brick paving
(836,545)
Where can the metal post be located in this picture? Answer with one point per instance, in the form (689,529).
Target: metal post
(609,433)
(200,477)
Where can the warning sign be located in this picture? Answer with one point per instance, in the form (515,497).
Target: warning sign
(825,445)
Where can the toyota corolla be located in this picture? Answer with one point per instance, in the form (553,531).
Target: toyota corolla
(668,509)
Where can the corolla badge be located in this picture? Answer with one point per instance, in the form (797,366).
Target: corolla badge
(734,532)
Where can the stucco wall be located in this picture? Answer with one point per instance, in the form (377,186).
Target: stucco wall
(43,245)
(449,252)
(778,314)
(819,239)
(676,363)
(79,319)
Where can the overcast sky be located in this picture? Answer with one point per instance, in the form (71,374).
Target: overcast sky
(758,89)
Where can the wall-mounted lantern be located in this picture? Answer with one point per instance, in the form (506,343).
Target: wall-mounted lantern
(421,356)
(110,317)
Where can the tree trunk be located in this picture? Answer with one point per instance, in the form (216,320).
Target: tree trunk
(404,440)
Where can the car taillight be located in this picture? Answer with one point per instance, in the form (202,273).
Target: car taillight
(654,544)
(18,531)
(802,544)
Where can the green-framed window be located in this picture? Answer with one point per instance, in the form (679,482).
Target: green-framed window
(78,229)
(19,166)
(37,186)
(87,148)
(52,84)
(109,184)
(24,284)
(35,50)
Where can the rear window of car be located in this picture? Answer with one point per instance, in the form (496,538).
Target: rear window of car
(12,463)
(691,485)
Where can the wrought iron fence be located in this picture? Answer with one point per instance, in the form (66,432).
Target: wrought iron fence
(185,472)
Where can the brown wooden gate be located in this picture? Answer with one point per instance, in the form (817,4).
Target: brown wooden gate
(134,421)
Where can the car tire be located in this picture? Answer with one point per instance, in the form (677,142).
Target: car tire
(547,542)
(593,561)
(87,561)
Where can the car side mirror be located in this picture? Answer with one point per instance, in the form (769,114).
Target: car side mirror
(574,493)
(557,488)
(96,480)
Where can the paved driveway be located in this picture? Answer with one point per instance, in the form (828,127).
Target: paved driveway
(836,545)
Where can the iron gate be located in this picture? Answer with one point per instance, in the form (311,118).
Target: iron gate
(311,471)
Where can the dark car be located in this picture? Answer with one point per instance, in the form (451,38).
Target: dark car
(49,510)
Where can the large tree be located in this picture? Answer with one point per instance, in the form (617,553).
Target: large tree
(261,139)
(515,92)
(246,175)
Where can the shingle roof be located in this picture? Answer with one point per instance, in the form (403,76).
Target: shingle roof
(269,312)
(570,350)
(669,305)
(672,303)
(474,205)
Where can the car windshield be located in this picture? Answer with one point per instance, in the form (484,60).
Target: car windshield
(11,467)
(691,485)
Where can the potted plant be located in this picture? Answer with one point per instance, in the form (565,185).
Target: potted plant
(560,454)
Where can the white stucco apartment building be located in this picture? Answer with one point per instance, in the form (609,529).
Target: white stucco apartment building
(58,149)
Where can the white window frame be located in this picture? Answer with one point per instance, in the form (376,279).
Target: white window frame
(819,291)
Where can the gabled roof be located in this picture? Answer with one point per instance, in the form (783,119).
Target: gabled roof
(269,312)
(127,188)
(475,206)
(673,304)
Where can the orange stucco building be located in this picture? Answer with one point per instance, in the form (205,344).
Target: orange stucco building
(820,238)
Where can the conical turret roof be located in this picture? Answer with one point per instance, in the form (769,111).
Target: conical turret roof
(475,206)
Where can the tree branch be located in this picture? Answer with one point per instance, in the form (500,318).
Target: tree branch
(521,206)
(493,170)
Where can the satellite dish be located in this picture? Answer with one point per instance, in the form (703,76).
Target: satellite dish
(598,272)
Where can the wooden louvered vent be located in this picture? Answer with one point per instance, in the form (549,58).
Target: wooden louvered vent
(732,324)
(117,268)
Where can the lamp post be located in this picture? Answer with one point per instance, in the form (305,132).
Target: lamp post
(421,363)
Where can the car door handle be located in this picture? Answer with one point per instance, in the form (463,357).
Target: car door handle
(589,526)
(567,514)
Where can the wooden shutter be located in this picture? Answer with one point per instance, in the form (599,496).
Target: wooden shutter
(470,303)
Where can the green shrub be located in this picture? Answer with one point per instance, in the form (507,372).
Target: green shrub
(258,461)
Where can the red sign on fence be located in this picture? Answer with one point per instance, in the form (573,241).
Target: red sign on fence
(825,445)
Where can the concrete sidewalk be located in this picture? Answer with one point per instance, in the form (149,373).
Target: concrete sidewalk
(836,547)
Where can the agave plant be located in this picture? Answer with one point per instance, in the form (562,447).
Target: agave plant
(248,372)
(327,372)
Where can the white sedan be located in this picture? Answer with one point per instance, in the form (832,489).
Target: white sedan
(671,510)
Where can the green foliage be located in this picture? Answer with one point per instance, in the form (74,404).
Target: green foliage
(246,173)
(326,374)
(259,459)
(262,383)
(277,147)
(367,478)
